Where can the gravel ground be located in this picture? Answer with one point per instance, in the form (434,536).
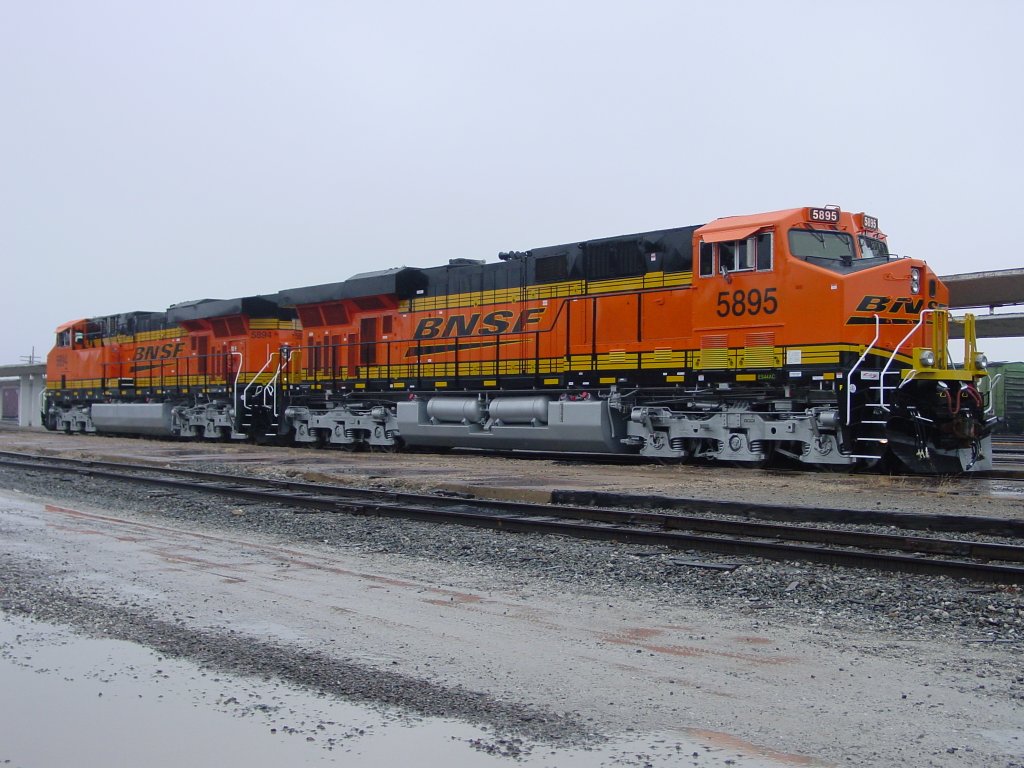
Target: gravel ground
(981,626)
(905,606)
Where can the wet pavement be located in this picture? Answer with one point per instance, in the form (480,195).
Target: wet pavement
(94,703)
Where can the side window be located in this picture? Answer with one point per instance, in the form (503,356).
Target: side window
(727,256)
(764,252)
(745,254)
(737,255)
(707,260)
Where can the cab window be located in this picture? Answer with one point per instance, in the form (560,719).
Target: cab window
(873,248)
(707,260)
(819,244)
(747,255)
(764,252)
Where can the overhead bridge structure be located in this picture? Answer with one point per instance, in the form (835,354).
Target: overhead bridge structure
(989,291)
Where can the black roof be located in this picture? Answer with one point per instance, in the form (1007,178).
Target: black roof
(202,309)
(402,282)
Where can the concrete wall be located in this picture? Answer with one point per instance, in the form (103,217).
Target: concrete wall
(30,388)
(29,400)
(9,391)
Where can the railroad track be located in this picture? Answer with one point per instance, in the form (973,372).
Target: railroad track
(1004,458)
(976,560)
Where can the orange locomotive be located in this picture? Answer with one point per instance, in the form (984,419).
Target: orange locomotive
(201,369)
(793,333)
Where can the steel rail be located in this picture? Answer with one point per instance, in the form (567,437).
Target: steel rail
(610,512)
(606,524)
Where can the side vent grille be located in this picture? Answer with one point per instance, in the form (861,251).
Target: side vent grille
(714,351)
(759,351)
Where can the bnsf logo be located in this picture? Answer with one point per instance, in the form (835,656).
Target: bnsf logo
(159,351)
(889,304)
(490,324)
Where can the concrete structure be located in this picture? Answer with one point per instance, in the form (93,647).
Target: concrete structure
(1000,288)
(985,289)
(31,383)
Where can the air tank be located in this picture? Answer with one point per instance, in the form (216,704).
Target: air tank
(455,409)
(519,410)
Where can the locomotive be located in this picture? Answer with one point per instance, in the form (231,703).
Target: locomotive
(791,334)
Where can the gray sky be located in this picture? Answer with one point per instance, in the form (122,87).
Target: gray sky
(158,152)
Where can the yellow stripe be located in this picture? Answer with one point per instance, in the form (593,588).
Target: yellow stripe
(546,291)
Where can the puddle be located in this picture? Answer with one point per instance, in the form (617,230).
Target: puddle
(1005,490)
(1009,739)
(92,703)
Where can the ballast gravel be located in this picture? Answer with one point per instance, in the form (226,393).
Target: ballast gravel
(907,606)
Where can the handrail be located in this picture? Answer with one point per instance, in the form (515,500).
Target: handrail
(271,387)
(849,377)
(892,357)
(238,374)
(255,379)
(992,382)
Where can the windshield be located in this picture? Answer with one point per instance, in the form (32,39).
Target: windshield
(872,248)
(821,244)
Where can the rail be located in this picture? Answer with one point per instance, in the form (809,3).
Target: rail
(238,374)
(271,385)
(896,350)
(255,380)
(735,537)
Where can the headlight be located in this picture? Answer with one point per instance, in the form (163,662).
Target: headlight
(927,358)
(915,280)
(980,361)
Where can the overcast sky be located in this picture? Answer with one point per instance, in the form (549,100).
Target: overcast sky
(156,152)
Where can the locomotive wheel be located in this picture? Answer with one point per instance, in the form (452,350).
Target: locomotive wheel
(395,447)
(764,463)
(767,451)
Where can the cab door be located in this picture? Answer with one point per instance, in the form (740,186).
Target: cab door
(736,311)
